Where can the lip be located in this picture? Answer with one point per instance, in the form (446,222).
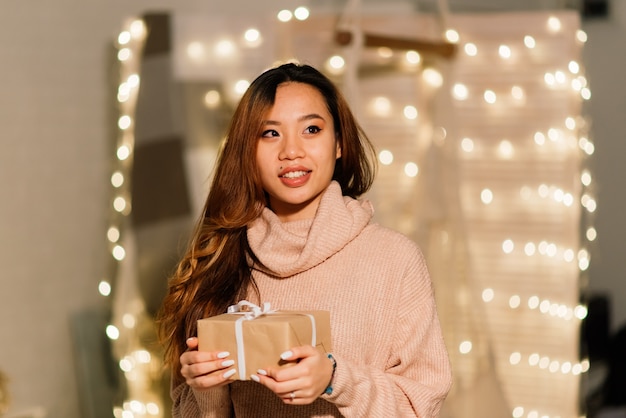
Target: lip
(293,168)
(294,181)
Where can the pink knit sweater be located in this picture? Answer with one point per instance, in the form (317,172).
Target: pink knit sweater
(391,358)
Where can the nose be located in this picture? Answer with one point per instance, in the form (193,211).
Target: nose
(291,148)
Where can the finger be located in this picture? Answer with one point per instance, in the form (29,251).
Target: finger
(192,343)
(192,357)
(217,378)
(198,363)
(296,353)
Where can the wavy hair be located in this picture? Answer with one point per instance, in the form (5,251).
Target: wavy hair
(214,272)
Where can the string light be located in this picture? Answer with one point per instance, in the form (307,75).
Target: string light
(564,140)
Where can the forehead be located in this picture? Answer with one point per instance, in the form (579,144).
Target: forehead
(296,96)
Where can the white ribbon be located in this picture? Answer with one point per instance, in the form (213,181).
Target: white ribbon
(253,312)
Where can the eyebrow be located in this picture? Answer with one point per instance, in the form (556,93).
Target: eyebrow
(300,119)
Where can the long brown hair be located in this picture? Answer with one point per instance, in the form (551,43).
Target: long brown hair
(214,272)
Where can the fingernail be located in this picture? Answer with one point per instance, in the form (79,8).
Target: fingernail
(255,378)
(262,372)
(286,355)
(229,373)
(223,354)
(227,363)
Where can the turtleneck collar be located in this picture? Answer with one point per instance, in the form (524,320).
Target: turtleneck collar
(289,248)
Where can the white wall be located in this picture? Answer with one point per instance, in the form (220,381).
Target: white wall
(54,159)
(605,60)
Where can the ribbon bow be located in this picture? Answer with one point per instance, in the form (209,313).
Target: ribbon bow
(253,311)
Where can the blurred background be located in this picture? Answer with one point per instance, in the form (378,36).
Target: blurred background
(83,271)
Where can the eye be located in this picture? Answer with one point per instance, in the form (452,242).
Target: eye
(270,133)
(313,129)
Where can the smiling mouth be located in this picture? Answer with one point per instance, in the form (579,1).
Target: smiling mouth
(295,174)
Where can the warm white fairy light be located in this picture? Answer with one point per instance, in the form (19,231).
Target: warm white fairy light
(585,93)
(129,321)
(486,196)
(529,42)
(470,49)
(112,332)
(554,24)
(506,149)
(301,13)
(113,234)
(432,77)
(504,51)
(452,36)
(240,87)
(118,252)
(124,37)
(284,15)
(508,246)
(137,29)
(413,57)
(385,157)
(196,51)
(384,52)
(124,122)
(252,36)
(123,152)
(490,96)
(224,48)
(117,179)
(212,99)
(465,347)
(467,144)
(410,112)
(411,169)
(119,204)
(591,234)
(335,65)
(381,106)
(104,288)
(124,54)
(517,93)
(459,91)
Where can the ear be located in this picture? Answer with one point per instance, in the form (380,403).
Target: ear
(337,149)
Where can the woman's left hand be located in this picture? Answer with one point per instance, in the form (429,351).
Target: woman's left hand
(301,383)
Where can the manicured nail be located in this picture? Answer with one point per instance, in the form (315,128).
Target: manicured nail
(189,339)
(227,363)
(255,378)
(223,354)
(262,372)
(229,373)
(286,355)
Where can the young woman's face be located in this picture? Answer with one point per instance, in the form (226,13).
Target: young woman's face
(296,151)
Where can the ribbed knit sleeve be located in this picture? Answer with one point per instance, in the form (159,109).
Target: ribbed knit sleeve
(417,377)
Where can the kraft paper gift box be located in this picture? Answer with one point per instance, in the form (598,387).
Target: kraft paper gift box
(257,338)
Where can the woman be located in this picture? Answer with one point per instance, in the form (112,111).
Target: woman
(282,224)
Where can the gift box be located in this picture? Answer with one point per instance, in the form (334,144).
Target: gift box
(257,337)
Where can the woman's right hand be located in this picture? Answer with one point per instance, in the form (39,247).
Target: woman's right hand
(203,370)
